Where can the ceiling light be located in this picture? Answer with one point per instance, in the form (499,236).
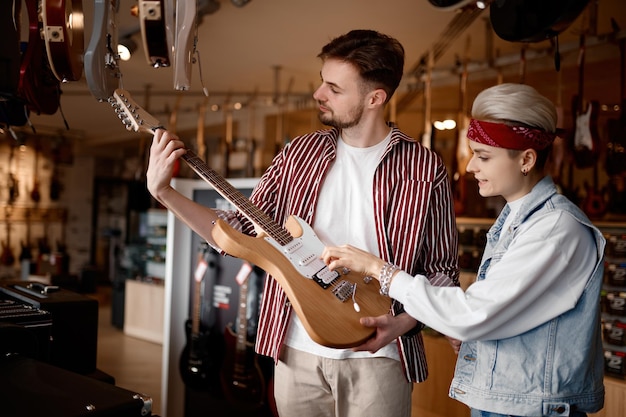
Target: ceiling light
(125,48)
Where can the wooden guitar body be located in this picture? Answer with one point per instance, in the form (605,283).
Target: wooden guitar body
(63,32)
(328,321)
(102,70)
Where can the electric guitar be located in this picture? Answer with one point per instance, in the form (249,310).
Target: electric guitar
(184,43)
(242,379)
(63,32)
(462,151)
(38,86)
(102,69)
(329,304)
(154,32)
(12,109)
(584,141)
(200,356)
(6,257)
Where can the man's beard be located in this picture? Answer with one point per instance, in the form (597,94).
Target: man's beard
(352,119)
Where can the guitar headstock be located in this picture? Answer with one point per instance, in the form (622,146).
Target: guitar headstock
(131,114)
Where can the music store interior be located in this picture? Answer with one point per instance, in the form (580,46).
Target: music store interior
(108,280)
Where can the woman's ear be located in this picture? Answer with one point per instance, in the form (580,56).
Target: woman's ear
(529,159)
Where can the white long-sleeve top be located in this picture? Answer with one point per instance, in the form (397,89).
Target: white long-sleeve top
(541,275)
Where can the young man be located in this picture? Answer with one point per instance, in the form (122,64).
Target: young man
(363,182)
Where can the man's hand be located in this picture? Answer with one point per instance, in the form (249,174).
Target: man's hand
(165,150)
(388,328)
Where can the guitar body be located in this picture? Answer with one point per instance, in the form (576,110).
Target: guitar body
(586,137)
(184,43)
(11,107)
(102,70)
(242,379)
(328,321)
(63,32)
(154,33)
(533,20)
(199,360)
(38,86)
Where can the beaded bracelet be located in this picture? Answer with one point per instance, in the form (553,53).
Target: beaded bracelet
(386,273)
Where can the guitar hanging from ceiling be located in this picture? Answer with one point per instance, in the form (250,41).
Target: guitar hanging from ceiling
(12,110)
(533,20)
(102,69)
(459,23)
(38,86)
(154,31)
(63,33)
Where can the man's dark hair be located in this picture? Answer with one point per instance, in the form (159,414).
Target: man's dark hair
(378,58)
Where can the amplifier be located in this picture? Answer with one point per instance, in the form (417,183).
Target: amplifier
(74,330)
(24,329)
(33,388)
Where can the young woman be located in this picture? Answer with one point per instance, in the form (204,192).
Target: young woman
(530,324)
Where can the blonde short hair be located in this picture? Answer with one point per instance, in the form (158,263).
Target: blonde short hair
(515,104)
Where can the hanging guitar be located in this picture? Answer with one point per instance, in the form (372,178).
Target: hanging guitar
(63,31)
(6,257)
(462,150)
(243,382)
(427,136)
(616,146)
(12,109)
(102,70)
(198,361)
(154,32)
(584,142)
(329,305)
(533,21)
(184,43)
(38,86)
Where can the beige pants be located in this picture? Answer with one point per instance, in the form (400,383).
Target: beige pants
(306,385)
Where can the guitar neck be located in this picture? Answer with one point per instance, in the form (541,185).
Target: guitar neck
(242,322)
(237,199)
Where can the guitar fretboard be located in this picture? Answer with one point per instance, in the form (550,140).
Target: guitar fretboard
(236,198)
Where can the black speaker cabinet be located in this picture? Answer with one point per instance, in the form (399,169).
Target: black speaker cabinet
(74,332)
(31,388)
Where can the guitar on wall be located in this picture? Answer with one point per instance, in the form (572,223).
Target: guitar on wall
(243,382)
(63,32)
(38,86)
(584,142)
(102,70)
(291,254)
(198,360)
(462,152)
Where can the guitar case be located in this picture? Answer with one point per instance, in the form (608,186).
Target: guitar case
(32,388)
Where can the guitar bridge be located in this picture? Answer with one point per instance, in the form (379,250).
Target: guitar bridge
(343,290)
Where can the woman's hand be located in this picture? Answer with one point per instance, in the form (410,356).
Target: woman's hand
(355,259)
(165,150)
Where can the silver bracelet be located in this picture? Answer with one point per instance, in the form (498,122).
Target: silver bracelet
(386,273)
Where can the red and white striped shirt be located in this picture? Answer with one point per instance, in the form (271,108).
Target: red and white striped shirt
(414,218)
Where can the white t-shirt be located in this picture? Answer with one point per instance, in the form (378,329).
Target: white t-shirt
(345,214)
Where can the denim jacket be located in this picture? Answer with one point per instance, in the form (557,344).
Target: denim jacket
(553,369)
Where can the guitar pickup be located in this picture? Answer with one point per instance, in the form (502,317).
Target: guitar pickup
(324,277)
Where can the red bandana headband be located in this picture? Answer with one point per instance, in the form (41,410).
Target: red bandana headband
(509,137)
